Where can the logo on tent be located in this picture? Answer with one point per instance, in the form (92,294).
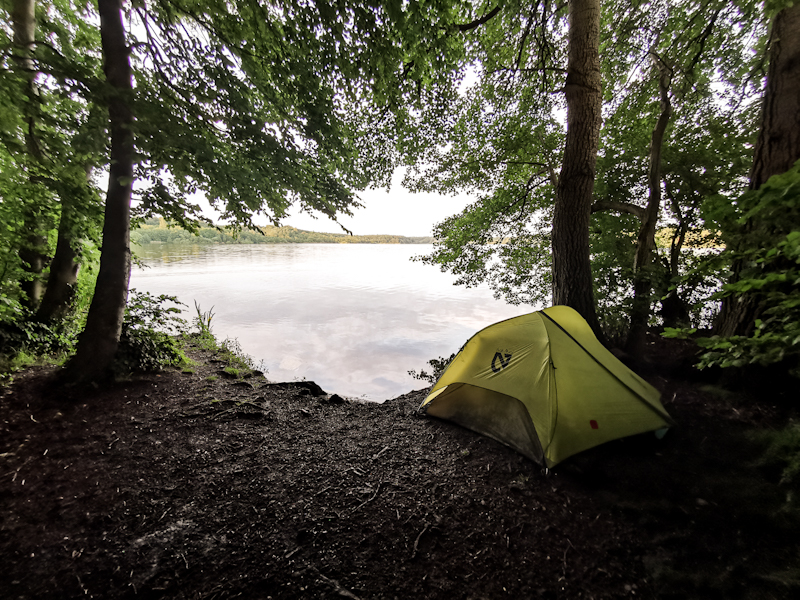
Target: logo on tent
(504,359)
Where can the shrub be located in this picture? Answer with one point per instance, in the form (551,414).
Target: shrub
(783,452)
(438,365)
(149,329)
(765,240)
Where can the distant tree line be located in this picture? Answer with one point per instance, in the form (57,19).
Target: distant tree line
(156,230)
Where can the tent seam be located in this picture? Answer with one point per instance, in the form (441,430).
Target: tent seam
(664,416)
(552,367)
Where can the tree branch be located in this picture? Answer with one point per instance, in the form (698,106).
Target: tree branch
(701,40)
(523,41)
(478,22)
(622,207)
(519,70)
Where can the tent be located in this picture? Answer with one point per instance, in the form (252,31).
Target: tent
(544,385)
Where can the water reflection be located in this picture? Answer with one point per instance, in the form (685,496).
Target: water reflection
(352,317)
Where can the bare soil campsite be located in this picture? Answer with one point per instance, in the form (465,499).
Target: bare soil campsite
(205,485)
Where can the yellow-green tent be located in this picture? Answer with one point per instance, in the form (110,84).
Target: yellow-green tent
(544,385)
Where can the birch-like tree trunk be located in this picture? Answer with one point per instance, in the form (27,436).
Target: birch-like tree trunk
(33,245)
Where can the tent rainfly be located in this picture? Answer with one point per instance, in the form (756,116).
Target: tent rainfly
(544,385)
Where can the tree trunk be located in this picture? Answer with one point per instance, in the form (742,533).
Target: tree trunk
(63,270)
(33,254)
(99,341)
(572,275)
(674,311)
(33,248)
(646,243)
(778,146)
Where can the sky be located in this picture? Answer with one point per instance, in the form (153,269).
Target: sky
(397,212)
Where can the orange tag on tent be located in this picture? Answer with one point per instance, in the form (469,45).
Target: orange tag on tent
(594,424)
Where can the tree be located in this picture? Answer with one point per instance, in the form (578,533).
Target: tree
(777,149)
(688,50)
(778,146)
(508,138)
(32,250)
(49,133)
(248,102)
(70,59)
(100,338)
(760,316)
(572,275)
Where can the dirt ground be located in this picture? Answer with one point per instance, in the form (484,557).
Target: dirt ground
(196,485)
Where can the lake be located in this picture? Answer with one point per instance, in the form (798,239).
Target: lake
(354,318)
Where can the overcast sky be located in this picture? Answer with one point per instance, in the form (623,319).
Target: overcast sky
(398,212)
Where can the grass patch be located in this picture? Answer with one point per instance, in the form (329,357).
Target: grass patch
(21,360)
(237,363)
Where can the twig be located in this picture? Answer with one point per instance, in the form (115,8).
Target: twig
(416,541)
(80,583)
(385,448)
(356,470)
(378,489)
(323,490)
(338,588)
(565,555)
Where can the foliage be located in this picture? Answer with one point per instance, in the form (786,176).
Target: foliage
(231,352)
(202,321)
(233,371)
(150,330)
(438,365)
(279,89)
(782,451)
(68,130)
(22,337)
(504,141)
(261,105)
(258,105)
(766,238)
(28,342)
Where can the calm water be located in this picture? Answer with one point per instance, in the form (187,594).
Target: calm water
(352,317)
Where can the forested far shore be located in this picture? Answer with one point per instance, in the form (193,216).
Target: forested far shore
(159,231)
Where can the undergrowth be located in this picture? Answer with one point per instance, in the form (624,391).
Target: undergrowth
(153,337)
(25,342)
(151,330)
(782,453)
(238,362)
